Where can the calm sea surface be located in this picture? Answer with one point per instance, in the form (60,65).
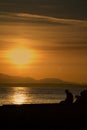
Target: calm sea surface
(34,95)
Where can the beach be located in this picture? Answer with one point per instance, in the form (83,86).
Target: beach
(43,116)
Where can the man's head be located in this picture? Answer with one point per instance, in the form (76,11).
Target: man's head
(66,90)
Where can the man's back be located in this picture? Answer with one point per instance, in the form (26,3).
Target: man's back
(69,97)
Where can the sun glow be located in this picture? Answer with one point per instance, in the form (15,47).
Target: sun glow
(20,56)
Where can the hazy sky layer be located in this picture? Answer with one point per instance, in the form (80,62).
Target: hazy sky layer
(74,9)
(56,32)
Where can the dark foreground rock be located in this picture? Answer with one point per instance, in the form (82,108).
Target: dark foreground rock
(43,116)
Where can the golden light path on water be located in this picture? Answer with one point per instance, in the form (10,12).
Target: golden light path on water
(30,95)
(19,96)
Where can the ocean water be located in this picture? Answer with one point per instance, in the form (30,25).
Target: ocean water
(35,94)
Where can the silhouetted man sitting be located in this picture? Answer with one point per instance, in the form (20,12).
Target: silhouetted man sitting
(69,97)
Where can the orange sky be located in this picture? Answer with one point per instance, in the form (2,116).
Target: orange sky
(58,47)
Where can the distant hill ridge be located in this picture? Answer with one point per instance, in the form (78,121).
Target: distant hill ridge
(51,80)
(18,79)
(15,79)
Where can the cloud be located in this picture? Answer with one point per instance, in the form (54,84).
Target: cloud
(33,18)
(48,33)
(67,9)
(61,47)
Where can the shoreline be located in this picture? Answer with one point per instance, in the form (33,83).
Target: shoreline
(51,116)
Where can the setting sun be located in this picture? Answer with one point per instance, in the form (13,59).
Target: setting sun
(20,56)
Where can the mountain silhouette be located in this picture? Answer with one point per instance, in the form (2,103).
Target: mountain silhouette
(51,80)
(15,79)
(4,78)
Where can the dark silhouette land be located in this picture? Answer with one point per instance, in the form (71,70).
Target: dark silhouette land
(46,116)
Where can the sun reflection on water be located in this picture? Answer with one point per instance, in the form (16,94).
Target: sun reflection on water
(19,99)
(19,96)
